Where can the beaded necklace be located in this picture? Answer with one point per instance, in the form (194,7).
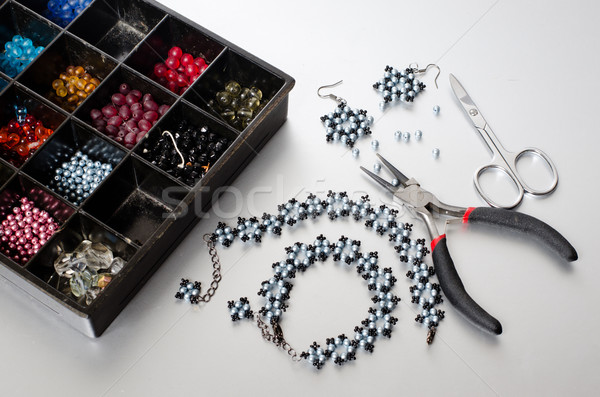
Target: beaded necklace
(276,290)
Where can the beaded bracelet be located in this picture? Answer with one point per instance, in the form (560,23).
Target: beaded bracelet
(381,219)
(300,257)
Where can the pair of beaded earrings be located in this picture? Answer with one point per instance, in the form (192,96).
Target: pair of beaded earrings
(346,125)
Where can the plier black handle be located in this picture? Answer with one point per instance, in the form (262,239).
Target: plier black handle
(423,204)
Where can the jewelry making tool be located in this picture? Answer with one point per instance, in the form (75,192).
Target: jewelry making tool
(502,160)
(423,205)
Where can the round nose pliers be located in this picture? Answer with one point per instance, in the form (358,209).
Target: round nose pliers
(423,204)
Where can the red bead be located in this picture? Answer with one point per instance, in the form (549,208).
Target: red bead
(175,52)
(186,59)
(160,69)
(172,63)
(181,80)
(172,75)
(192,70)
(200,62)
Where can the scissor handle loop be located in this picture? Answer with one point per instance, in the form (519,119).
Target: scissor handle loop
(513,178)
(536,152)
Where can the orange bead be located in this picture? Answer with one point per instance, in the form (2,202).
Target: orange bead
(73,80)
(86,76)
(3,135)
(82,94)
(89,87)
(79,70)
(71,89)
(70,70)
(22,150)
(57,83)
(81,83)
(13,139)
(73,98)
(95,81)
(61,91)
(63,76)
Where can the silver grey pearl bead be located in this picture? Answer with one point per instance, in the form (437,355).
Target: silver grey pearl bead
(436,109)
(398,135)
(406,136)
(377,168)
(375,144)
(418,135)
(435,153)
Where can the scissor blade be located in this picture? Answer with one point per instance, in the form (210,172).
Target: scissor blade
(391,188)
(467,103)
(395,171)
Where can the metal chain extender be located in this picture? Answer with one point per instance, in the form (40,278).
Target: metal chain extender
(277,336)
(216,274)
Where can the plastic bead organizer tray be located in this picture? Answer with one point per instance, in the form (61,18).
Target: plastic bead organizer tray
(120,41)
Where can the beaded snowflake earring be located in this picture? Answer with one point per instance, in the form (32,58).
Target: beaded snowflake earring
(401,85)
(344,124)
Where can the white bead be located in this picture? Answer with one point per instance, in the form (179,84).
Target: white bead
(436,109)
(435,153)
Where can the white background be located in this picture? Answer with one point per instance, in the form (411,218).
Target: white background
(531,67)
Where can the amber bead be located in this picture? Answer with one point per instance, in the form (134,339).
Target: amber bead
(56,84)
(89,87)
(79,70)
(82,94)
(70,70)
(73,98)
(71,89)
(62,91)
(80,84)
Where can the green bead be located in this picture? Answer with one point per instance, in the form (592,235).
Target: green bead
(245,94)
(228,115)
(244,113)
(233,88)
(251,103)
(223,98)
(256,93)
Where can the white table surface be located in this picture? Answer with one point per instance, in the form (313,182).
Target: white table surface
(532,69)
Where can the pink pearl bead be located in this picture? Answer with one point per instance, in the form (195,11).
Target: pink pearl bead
(27,246)
(13,239)
(43,237)
(5,223)
(10,218)
(42,242)
(19,233)
(16,210)
(35,247)
(22,240)
(35,210)
(31,252)
(18,217)
(4,239)
(14,227)
(28,235)
(52,228)
(41,229)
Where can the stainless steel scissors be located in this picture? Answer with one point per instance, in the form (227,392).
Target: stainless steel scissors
(502,159)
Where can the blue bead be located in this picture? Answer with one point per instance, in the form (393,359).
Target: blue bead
(26,43)
(17,39)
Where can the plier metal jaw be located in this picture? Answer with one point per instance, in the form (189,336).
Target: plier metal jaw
(424,205)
